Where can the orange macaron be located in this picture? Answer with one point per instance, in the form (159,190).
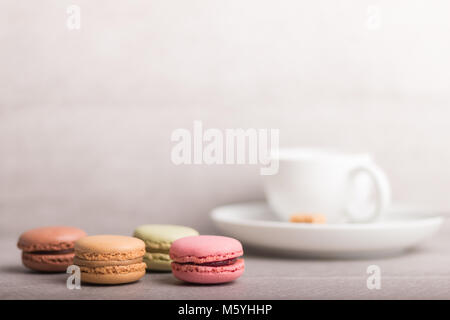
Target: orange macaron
(49,249)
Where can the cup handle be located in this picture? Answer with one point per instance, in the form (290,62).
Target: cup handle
(382,188)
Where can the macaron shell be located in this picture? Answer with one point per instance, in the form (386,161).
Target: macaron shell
(161,236)
(157,261)
(47,262)
(54,238)
(112,278)
(117,269)
(208,275)
(109,247)
(202,249)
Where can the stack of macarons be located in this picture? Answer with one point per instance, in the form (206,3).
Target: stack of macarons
(114,259)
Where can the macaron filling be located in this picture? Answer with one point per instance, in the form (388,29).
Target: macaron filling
(53,252)
(212,263)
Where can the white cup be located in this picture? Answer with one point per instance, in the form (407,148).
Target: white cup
(320,181)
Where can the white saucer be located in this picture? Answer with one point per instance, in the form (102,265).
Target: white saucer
(254,225)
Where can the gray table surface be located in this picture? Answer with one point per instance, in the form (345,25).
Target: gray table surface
(421,273)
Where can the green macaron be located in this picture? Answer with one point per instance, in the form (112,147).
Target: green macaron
(158,238)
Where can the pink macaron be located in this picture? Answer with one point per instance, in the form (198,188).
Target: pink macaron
(207,259)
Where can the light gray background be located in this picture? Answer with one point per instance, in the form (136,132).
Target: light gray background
(86,116)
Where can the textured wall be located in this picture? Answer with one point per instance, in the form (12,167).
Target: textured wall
(86,116)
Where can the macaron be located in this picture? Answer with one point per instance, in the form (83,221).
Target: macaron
(110,259)
(158,238)
(49,249)
(207,259)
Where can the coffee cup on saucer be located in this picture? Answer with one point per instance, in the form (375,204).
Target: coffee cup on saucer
(320,181)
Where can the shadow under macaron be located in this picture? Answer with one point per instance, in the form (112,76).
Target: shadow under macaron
(21,269)
(159,271)
(171,280)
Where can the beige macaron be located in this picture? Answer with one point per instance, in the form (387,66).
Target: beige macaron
(110,259)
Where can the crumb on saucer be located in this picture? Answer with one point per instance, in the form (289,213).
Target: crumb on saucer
(308,218)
